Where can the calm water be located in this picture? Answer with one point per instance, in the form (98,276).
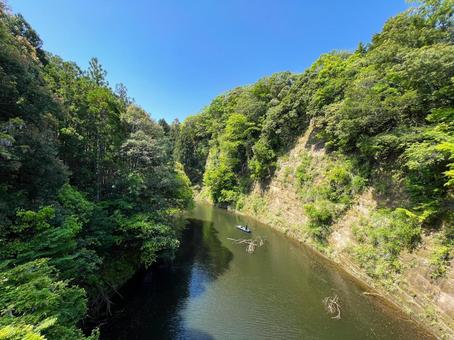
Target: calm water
(216,290)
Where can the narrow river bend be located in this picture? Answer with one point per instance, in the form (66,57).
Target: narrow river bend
(216,290)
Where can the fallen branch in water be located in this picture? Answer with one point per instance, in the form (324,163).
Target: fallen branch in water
(332,306)
(251,244)
(372,294)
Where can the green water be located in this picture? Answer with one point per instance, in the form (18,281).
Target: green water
(216,290)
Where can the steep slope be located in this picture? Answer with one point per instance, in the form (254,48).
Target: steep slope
(428,300)
(355,156)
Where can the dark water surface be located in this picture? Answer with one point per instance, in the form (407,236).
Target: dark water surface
(216,290)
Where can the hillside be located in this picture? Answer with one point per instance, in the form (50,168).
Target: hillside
(354,156)
(88,189)
(416,287)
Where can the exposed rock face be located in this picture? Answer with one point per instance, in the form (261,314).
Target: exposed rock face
(428,300)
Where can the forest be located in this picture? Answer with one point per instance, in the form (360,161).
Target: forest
(91,186)
(89,189)
(384,113)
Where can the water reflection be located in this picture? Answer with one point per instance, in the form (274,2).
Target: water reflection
(216,290)
(205,248)
(153,307)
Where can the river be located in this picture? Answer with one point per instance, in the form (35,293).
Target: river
(216,290)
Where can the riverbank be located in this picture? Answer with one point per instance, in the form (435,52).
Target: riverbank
(424,299)
(396,296)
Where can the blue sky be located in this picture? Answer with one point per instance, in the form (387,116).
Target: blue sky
(175,56)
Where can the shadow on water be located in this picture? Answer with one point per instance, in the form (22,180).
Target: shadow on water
(214,289)
(197,335)
(153,305)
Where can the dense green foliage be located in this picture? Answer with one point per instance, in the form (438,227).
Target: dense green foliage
(88,188)
(384,113)
(382,239)
(328,186)
(89,184)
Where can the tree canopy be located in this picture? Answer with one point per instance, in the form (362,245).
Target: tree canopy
(388,107)
(88,188)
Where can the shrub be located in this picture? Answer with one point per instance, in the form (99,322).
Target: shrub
(375,265)
(440,259)
(321,215)
(343,183)
(385,235)
(303,171)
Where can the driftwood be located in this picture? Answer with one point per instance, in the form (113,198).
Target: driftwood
(372,294)
(332,306)
(251,244)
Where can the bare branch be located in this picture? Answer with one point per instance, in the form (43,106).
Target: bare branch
(251,244)
(332,306)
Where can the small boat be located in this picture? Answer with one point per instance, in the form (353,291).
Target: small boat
(244,228)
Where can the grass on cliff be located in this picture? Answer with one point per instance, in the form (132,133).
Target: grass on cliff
(328,186)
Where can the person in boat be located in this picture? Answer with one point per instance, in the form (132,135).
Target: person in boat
(244,228)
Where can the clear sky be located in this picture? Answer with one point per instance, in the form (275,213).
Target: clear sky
(175,56)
